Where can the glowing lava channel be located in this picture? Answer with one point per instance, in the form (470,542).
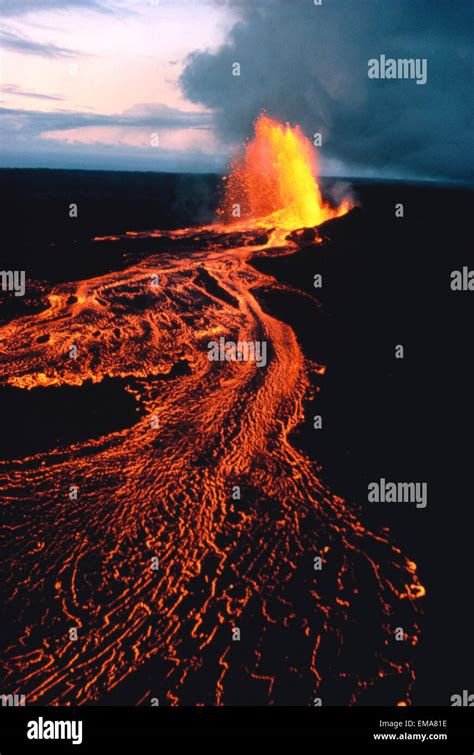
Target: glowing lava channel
(163,489)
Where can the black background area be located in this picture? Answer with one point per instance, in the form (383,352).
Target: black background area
(386,281)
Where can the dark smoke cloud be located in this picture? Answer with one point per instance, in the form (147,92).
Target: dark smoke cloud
(308,64)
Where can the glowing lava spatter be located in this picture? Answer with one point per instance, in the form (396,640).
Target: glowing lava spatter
(275,182)
(164,488)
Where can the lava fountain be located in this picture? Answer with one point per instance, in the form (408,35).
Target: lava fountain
(208,483)
(275,182)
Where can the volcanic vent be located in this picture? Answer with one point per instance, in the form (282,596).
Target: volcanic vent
(274,183)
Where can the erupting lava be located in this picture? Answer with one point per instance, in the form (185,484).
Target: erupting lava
(164,489)
(274,183)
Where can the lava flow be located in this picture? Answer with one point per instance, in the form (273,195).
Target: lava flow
(178,588)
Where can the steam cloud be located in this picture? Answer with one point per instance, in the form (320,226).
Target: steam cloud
(308,64)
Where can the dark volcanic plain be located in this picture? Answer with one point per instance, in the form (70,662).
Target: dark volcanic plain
(386,281)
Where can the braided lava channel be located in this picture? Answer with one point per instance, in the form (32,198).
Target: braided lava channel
(163,488)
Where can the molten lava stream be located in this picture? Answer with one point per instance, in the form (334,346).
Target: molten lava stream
(163,488)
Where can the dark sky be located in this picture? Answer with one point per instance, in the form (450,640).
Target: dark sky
(309,64)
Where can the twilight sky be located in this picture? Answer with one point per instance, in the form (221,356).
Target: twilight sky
(148,84)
